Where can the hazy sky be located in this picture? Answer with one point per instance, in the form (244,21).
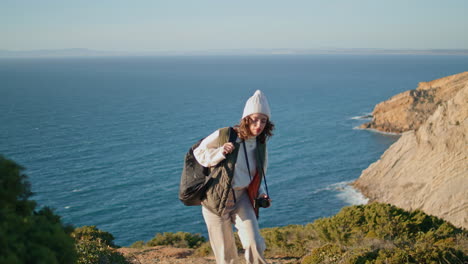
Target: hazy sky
(177,25)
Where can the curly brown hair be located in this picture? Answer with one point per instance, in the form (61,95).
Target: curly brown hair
(244,131)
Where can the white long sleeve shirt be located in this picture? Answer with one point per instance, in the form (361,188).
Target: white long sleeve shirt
(209,154)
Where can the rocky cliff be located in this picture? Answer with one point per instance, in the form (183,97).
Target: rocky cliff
(408,110)
(427,168)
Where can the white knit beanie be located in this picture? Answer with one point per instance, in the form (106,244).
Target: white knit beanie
(257,104)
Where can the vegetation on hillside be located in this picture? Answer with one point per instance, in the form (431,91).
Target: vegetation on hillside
(373,233)
(381,233)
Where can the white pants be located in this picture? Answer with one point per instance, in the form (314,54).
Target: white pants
(242,215)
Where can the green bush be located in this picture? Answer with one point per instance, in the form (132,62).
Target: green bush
(138,244)
(27,235)
(204,250)
(93,233)
(327,254)
(381,221)
(373,233)
(96,246)
(95,251)
(381,233)
(289,241)
(179,239)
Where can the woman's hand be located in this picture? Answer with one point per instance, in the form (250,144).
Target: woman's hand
(228,148)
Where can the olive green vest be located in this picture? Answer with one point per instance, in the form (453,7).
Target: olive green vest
(221,187)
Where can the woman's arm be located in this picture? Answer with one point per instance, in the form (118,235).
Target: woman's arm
(209,153)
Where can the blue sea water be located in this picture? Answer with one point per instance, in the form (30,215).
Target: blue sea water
(103,139)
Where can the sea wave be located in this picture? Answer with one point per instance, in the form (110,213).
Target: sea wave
(345,192)
(349,194)
(367,116)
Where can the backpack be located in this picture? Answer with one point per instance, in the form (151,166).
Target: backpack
(195,178)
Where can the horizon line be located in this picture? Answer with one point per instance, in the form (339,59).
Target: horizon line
(86,52)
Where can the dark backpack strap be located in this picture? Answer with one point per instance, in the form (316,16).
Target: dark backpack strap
(223,136)
(227,134)
(232,135)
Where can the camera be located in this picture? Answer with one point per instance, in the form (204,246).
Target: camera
(262,202)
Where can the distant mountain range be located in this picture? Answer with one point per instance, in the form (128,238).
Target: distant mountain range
(76,52)
(83,52)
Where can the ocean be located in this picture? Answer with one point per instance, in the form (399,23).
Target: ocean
(103,139)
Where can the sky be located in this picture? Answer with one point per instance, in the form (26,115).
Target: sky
(194,25)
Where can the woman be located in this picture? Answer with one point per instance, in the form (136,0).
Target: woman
(231,198)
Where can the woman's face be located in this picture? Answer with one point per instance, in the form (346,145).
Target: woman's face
(257,123)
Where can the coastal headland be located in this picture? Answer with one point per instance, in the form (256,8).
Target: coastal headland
(427,168)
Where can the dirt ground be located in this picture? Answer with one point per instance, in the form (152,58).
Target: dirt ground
(170,255)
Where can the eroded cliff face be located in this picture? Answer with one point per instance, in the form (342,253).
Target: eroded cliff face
(427,168)
(408,110)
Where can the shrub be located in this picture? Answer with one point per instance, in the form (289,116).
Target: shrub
(373,233)
(204,250)
(92,233)
(179,239)
(327,254)
(138,244)
(381,233)
(27,235)
(96,246)
(91,252)
(288,241)
(381,221)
